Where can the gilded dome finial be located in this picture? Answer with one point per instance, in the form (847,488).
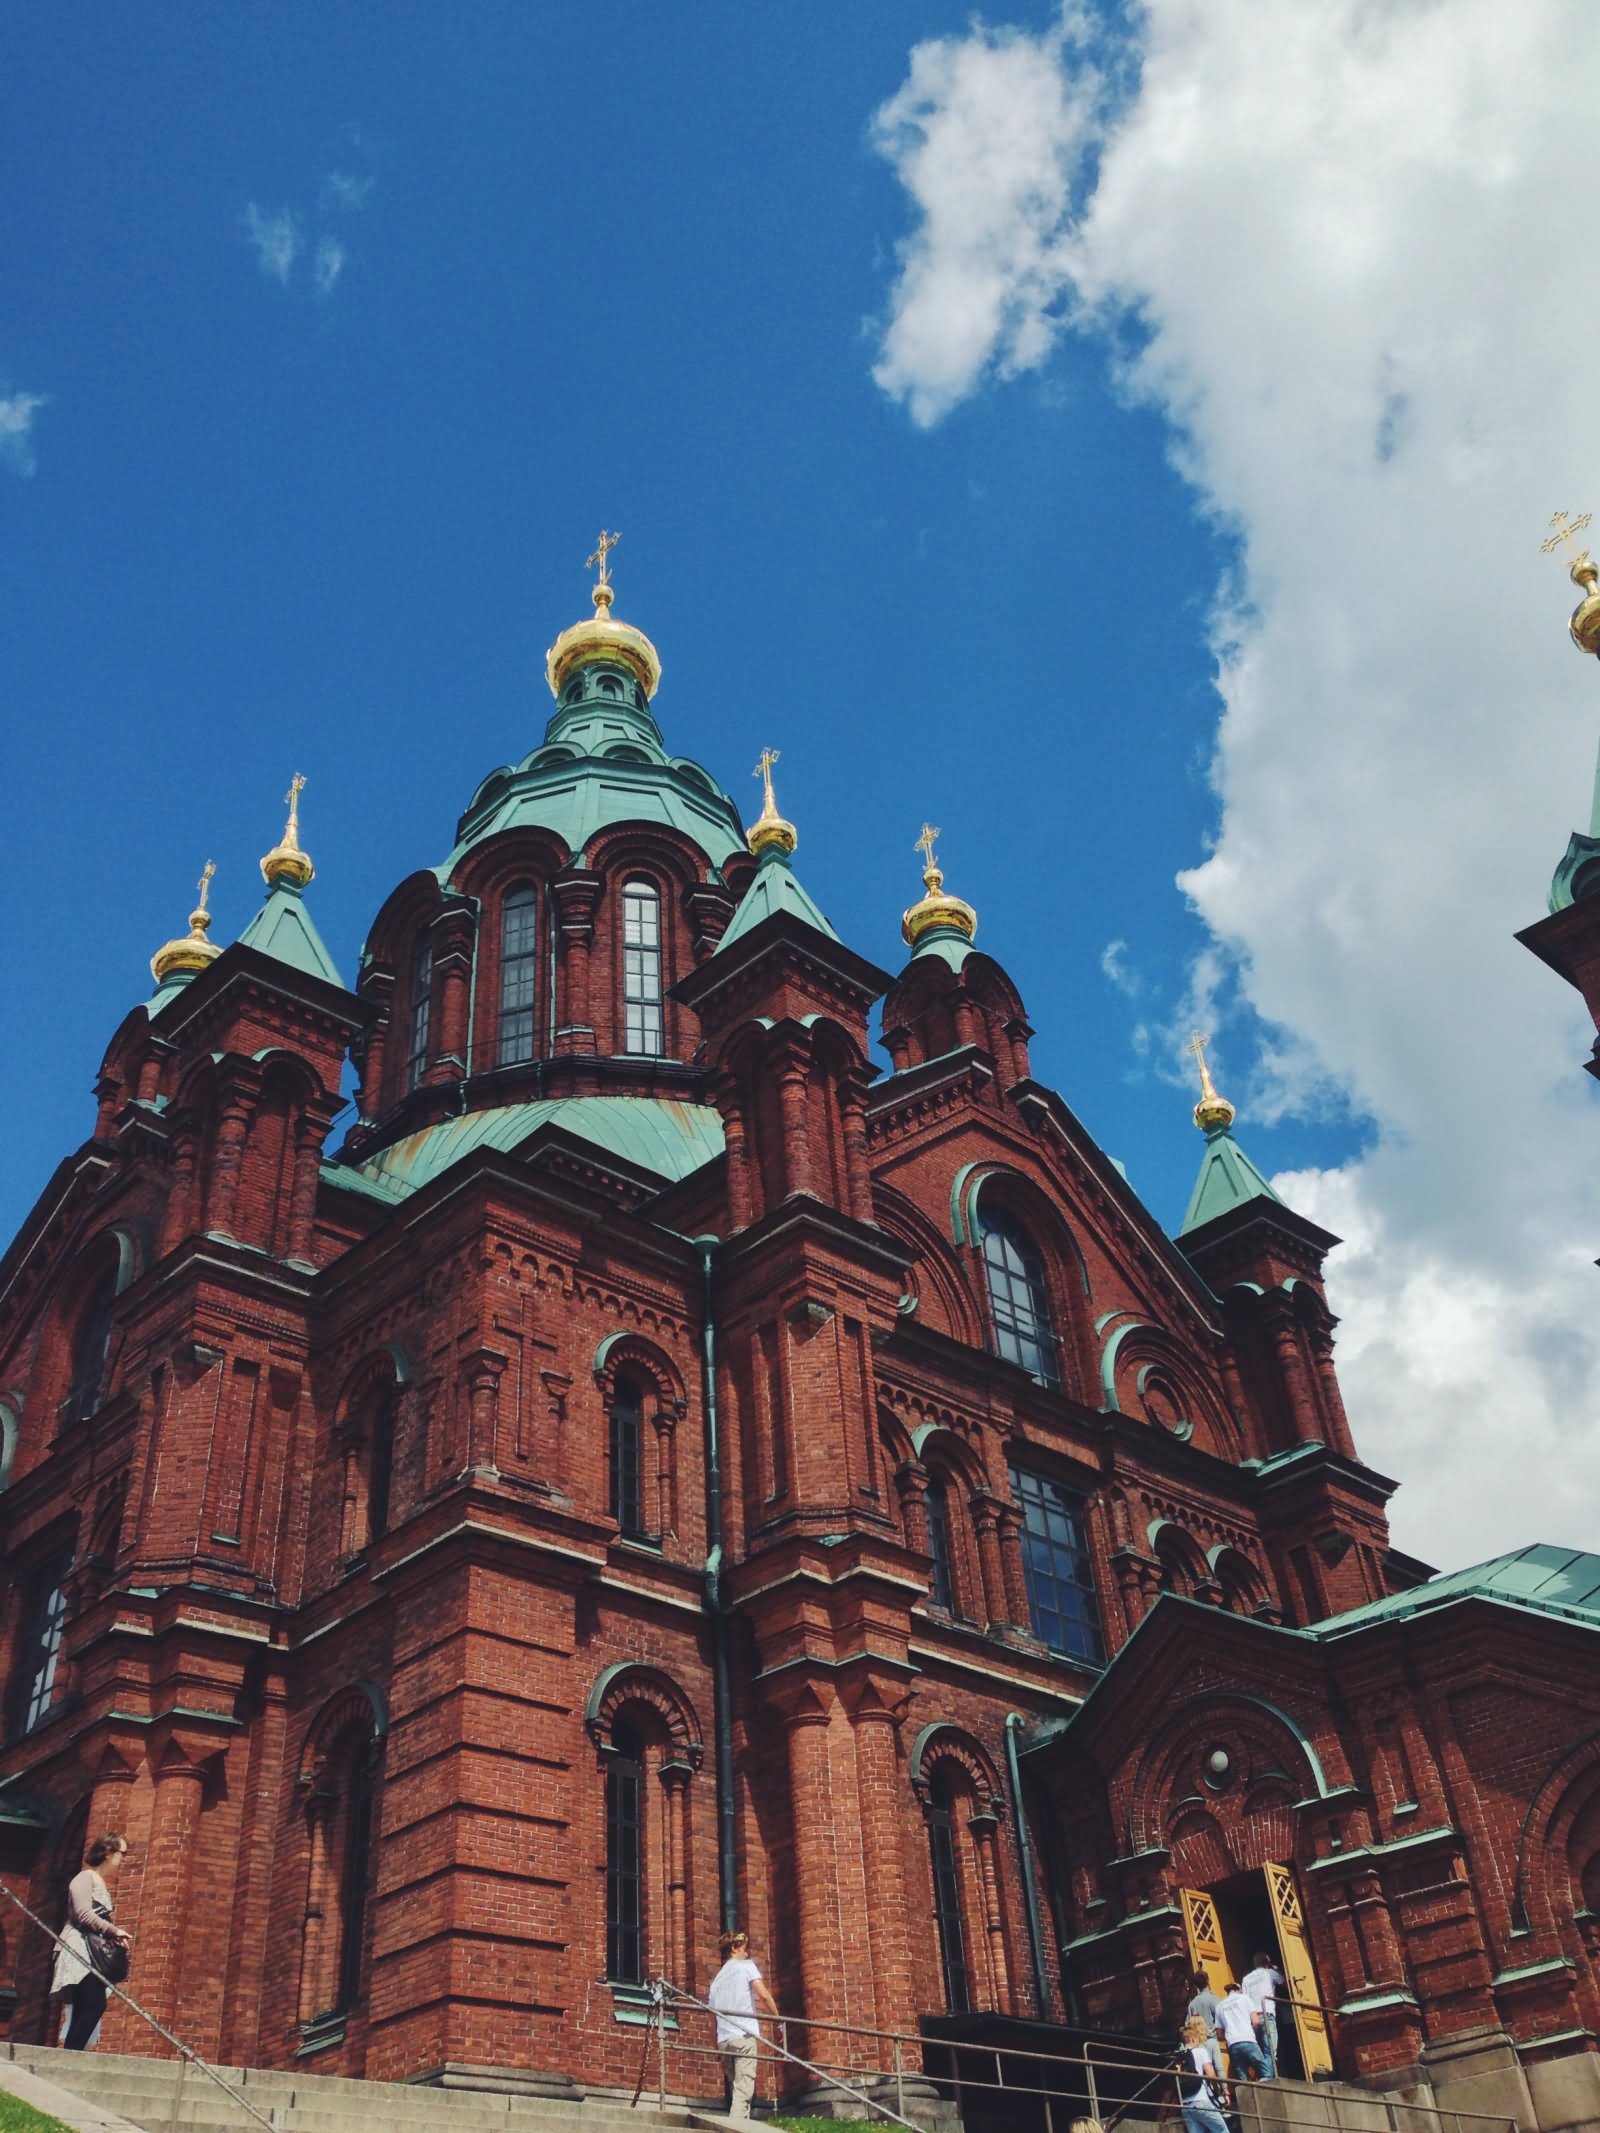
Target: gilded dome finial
(1213,1113)
(286,862)
(191,951)
(769,832)
(601,638)
(935,911)
(1585,623)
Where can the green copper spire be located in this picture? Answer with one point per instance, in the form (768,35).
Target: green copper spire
(776,887)
(284,929)
(1228,1178)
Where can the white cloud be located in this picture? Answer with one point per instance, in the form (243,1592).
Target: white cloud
(328,264)
(277,241)
(345,192)
(17,411)
(1344,253)
(1119,971)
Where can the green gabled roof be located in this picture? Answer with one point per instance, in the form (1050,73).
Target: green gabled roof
(1228,1179)
(1550,1580)
(776,888)
(653,1133)
(283,928)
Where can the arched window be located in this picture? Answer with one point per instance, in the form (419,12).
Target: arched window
(1018,1298)
(519,950)
(91,1341)
(44,1618)
(947,1897)
(941,1584)
(355,1869)
(625,1858)
(627,1449)
(641,968)
(341,1808)
(421,1010)
(380,1464)
(1055,1559)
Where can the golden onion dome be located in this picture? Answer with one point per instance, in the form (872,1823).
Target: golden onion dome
(769,831)
(1585,623)
(286,862)
(935,910)
(602,637)
(1213,1113)
(192,951)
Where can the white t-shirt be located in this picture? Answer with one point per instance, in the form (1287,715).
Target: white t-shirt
(1261,1987)
(1204,2097)
(732,1998)
(1236,2019)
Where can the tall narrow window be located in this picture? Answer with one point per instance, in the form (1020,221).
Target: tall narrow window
(1019,1299)
(353,1877)
(519,950)
(91,1342)
(421,1011)
(380,1464)
(627,1435)
(44,1616)
(947,1899)
(641,968)
(624,1859)
(1060,1587)
(941,1586)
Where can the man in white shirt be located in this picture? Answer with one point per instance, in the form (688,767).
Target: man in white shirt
(736,1992)
(1261,1986)
(1237,2022)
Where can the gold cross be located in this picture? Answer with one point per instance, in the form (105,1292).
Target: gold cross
(763,771)
(206,873)
(607,542)
(1197,1044)
(925,843)
(1566,532)
(291,800)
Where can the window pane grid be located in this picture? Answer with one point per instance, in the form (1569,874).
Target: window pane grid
(624,1876)
(947,1912)
(421,1010)
(519,945)
(1019,1301)
(941,1587)
(1055,1562)
(39,1647)
(641,969)
(626,1430)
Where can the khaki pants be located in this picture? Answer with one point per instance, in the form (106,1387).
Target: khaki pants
(739,2062)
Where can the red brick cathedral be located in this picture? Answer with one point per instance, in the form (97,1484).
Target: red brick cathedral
(661,1467)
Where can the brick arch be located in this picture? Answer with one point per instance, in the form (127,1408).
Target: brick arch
(946,1450)
(525,852)
(1145,1371)
(631,1681)
(1570,1784)
(360,1707)
(410,905)
(981,1187)
(1169,1764)
(631,1351)
(386,1365)
(942,1741)
(930,1262)
(1240,1579)
(1171,1543)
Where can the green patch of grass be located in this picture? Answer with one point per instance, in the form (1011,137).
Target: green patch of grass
(811,2125)
(19,2117)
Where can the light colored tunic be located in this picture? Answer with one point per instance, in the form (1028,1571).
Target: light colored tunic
(88,1904)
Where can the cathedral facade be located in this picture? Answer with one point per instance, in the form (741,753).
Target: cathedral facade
(658,1468)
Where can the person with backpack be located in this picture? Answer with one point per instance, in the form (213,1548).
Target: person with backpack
(1201,2090)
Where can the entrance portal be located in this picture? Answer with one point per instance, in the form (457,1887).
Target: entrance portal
(1227,1923)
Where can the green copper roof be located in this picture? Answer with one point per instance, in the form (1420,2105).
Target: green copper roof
(776,888)
(1578,875)
(283,928)
(601,761)
(654,1133)
(1555,1581)
(947,943)
(1227,1179)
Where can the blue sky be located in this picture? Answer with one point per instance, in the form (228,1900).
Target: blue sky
(1127,451)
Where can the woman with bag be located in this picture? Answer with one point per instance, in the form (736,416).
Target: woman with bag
(93,1953)
(1201,2090)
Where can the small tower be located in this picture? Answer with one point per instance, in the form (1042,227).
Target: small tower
(1568,939)
(950,997)
(175,962)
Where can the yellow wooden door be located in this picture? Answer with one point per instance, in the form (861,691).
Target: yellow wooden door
(1311,2025)
(1204,1931)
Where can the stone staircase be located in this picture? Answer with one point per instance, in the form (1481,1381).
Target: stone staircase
(150,2095)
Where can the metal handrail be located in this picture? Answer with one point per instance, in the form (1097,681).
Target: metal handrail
(186,2053)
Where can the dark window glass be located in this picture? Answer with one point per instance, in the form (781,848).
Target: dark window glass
(641,968)
(624,1860)
(421,1011)
(1060,1589)
(380,1465)
(947,1902)
(627,1432)
(44,1616)
(90,1345)
(353,1880)
(519,949)
(1019,1299)
(941,1586)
